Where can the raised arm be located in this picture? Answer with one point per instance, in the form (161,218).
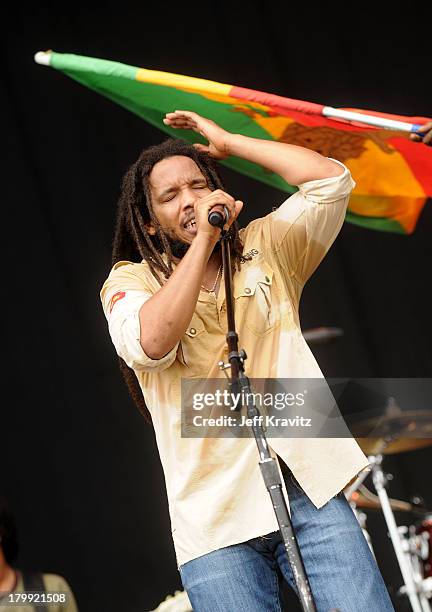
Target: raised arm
(295,164)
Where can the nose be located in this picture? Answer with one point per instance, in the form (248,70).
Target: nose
(187,199)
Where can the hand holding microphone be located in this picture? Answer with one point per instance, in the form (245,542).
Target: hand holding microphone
(217,218)
(216,210)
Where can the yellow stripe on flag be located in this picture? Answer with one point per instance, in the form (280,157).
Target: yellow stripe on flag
(404,210)
(378,172)
(182,82)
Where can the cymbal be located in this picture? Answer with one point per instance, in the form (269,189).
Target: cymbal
(394,432)
(379,446)
(363,498)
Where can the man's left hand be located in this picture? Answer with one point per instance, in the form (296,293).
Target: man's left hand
(426,131)
(217,137)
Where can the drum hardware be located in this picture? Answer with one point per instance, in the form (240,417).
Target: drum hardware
(413,585)
(381,435)
(417,549)
(424,529)
(363,498)
(362,518)
(391,445)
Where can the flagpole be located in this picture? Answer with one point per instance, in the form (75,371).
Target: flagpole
(383,122)
(43,58)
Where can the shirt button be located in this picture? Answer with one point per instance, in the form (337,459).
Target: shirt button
(247,290)
(192,331)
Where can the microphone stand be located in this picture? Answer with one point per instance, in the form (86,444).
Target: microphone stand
(240,384)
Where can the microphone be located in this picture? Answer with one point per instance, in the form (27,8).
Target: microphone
(217,218)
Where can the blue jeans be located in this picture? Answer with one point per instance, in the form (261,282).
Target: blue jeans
(247,577)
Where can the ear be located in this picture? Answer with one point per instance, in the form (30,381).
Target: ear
(150,228)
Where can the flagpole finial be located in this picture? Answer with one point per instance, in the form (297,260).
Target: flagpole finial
(43,58)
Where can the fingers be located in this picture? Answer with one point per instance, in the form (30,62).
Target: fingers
(201,147)
(186,120)
(208,129)
(220,197)
(427,131)
(426,139)
(425,128)
(233,206)
(182,113)
(423,134)
(180,123)
(234,212)
(238,207)
(217,200)
(182,119)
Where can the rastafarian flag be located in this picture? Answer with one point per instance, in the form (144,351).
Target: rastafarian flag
(393,173)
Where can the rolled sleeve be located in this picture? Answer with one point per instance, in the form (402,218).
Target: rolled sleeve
(327,190)
(121,307)
(304,227)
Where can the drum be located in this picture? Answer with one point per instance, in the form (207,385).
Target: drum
(424,531)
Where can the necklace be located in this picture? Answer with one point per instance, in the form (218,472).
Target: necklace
(212,290)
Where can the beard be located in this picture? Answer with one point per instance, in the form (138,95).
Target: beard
(180,248)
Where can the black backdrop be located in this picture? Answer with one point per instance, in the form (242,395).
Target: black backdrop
(79,465)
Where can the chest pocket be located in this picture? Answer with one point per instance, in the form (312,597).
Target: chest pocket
(190,352)
(256,301)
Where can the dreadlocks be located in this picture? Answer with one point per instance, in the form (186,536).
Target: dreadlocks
(132,242)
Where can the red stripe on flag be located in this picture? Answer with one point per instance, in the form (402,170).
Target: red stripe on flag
(278,103)
(419,159)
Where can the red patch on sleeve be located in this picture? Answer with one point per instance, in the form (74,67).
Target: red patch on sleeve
(115,298)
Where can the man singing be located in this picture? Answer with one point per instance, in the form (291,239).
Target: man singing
(166,311)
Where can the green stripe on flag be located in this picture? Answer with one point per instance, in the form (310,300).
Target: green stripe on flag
(375,223)
(72,64)
(151,102)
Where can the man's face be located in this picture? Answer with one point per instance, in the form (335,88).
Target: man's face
(175,185)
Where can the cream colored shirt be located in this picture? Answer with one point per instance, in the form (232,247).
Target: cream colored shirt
(215,489)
